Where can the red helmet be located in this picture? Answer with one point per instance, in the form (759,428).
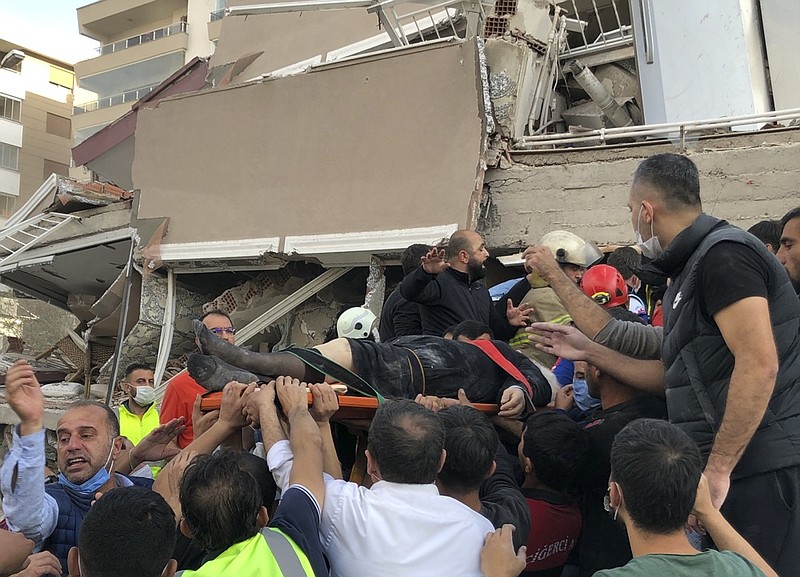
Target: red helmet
(605,286)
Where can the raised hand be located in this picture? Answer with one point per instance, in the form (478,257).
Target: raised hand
(168,482)
(433,262)
(233,402)
(159,443)
(326,402)
(24,395)
(560,340)
(291,394)
(540,259)
(201,422)
(518,316)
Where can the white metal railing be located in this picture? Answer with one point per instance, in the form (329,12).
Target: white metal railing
(613,34)
(217,15)
(158,33)
(113,100)
(438,21)
(672,130)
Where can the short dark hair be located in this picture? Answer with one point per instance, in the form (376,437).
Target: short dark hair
(410,259)
(406,441)
(139,518)
(768,232)
(259,469)
(470,441)
(137,367)
(111,416)
(471,329)
(220,500)
(219,312)
(674,176)
(791,215)
(626,260)
(459,240)
(557,447)
(658,468)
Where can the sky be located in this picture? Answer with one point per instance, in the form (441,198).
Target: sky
(47,26)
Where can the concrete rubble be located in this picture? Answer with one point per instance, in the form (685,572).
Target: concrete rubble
(332,153)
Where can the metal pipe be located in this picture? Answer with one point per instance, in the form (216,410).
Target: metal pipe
(657,129)
(123,321)
(599,94)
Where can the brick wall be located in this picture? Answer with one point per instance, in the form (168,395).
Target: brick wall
(743,178)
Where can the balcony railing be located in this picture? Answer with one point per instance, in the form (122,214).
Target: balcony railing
(179,28)
(129,96)
(217,15)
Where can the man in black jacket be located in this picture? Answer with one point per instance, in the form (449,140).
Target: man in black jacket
(449,290)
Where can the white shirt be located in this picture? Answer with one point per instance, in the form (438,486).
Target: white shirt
(392,529)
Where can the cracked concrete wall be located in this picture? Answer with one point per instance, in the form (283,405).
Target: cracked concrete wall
(743,178)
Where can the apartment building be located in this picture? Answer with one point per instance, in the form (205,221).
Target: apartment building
(36,95)
(142,42)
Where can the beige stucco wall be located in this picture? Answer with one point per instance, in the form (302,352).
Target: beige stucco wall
(744,179)
(385,143)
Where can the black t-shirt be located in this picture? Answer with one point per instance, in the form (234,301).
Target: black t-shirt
(604,543)
(730,272)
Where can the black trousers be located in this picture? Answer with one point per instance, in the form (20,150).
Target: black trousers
(765,510)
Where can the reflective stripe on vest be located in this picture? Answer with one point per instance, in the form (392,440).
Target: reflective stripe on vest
(284,553)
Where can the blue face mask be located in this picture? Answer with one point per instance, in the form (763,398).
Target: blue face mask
(583,399)
(90,485)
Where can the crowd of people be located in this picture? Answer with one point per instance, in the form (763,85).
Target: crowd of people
(647,422)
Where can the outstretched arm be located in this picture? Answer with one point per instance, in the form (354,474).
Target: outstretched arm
(304,437)
(326,403)
(586,314)
(569,343)
(28,509)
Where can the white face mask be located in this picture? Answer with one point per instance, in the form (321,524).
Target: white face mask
(651,248)
(144,396)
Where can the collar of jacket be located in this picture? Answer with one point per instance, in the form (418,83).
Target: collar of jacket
(682,247)
(461,276)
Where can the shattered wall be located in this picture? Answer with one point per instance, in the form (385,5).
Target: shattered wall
(743,178)
(38,323)
(410,122)
(141,344)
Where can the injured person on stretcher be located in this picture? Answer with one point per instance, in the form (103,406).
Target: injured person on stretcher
(488,371)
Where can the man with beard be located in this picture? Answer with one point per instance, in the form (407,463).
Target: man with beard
(449,290)
(789,251)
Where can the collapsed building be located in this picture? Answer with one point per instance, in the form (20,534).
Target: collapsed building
(280,179)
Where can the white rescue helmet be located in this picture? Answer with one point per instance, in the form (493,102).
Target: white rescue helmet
(356,323)
(569,248)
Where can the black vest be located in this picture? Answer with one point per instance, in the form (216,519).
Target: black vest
(698,364)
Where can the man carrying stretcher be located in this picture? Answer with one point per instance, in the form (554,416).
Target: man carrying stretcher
(488,371)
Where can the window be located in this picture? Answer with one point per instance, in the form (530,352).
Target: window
(10,108)
(59,125)
(51,166)
(7,204)
(61,77)
(9,156)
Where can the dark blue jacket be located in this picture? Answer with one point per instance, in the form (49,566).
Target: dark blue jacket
(72,507)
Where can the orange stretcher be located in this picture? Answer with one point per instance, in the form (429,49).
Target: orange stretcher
(350,406)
